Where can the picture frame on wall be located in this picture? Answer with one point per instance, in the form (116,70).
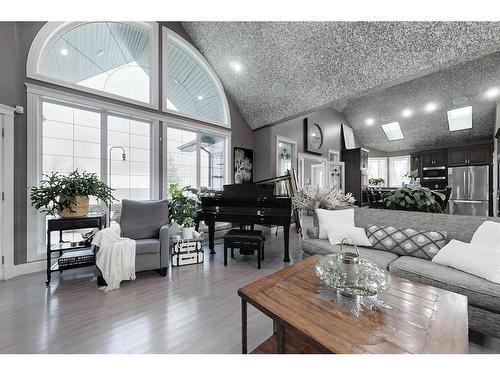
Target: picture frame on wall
(242,165)
(349,141)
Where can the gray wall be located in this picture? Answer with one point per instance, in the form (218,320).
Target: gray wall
(15,41)
(265,138)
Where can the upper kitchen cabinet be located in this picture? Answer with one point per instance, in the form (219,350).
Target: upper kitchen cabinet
(474,155)
(434,158)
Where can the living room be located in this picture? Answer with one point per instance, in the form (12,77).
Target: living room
(217,184)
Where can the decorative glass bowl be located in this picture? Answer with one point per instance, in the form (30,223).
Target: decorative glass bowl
(368,279)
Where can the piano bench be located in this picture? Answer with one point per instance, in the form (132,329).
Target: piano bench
(247,241)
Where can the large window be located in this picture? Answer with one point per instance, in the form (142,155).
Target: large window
(190,85)
(399,166)
(377,170)
(111,58)
(196,158)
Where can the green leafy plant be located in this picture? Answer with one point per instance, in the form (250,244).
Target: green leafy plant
(183,203)
(412,174)
(188,222)
(421,199)
(57,192)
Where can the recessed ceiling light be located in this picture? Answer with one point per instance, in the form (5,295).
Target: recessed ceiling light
(100,52)
(460,118)
(369,121)
(492,92)
(64,52)
(460,100)
(430,107)
(200,97)
(392,131)
(279,90)
(236,66)
(407,112)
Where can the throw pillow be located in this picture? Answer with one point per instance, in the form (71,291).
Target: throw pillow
(329,219)
(353,236)
(487,235)
(477,260)
(406,241)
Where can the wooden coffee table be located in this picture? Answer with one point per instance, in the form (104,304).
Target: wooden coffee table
(422,318)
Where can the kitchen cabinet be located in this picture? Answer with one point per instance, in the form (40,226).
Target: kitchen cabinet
(356,173)
(473,155)
(432,158)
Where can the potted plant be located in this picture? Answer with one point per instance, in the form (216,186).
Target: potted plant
(422,199)
(187,228)
(68,195)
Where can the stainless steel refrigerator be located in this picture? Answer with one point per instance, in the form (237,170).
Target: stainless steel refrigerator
(470,186)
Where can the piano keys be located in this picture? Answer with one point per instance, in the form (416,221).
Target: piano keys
(246,204)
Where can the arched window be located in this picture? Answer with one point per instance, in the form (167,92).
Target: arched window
(113,59)
(190,86)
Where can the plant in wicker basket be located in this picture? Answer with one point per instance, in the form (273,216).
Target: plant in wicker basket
(68,195)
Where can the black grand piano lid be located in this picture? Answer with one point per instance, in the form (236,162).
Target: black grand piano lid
(248,191)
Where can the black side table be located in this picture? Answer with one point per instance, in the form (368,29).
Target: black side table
(61,224)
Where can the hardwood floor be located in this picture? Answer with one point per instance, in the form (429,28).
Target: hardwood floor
(195,309)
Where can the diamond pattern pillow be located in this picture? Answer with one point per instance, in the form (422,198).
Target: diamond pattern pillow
(406,241)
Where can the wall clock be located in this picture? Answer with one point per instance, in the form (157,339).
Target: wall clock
(313,137)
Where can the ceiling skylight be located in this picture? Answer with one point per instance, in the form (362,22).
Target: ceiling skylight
(460,118)
(393,131)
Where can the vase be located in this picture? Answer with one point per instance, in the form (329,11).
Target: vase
(79,209)
(187,233)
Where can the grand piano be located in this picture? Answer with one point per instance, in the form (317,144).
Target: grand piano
(246,204)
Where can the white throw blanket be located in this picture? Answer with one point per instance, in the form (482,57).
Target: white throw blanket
(116,256)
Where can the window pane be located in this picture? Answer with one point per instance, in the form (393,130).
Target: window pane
(189,87)
(212,160)
(377,169)
(111,57)
(181,157)
(398,168)
(130,177)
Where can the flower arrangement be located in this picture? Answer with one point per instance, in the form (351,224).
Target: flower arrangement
(310,199)
(183,203)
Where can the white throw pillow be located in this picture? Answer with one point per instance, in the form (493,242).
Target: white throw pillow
(354,236)
(487,235)
(329,219)
(476,260)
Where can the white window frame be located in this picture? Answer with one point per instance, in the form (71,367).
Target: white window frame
(198,129)
(390,169)
(36,95)
(385,160)
(279,139)
(202,62)
(51,32)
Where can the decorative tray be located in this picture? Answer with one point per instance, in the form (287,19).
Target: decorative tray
(368,279)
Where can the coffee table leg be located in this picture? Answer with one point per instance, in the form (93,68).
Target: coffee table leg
(281,338)
(243,326)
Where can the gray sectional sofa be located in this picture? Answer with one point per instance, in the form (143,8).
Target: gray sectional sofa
(483,295)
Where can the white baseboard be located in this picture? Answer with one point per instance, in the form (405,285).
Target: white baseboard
(22,269)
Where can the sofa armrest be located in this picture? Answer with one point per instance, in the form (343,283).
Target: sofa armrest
(164,246)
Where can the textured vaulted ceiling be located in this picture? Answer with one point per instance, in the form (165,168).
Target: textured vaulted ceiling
(328,63)
(426,130)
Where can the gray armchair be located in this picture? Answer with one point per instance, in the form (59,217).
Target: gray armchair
(146,222)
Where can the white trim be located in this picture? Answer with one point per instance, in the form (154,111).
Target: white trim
(277,140)
(22,269)
(51,32)
(385,159)
(7,188)
(300,158)
(79,99)
(202,62)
